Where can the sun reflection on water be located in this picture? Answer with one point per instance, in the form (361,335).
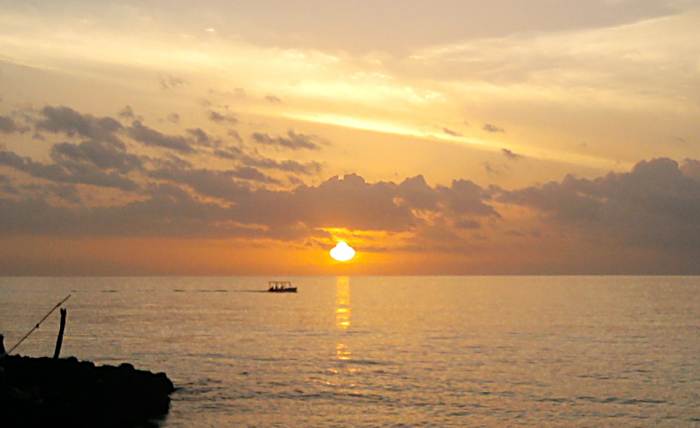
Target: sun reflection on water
(343,314)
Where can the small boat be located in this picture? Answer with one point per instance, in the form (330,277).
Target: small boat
(281,287)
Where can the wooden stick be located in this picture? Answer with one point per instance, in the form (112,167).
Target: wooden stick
(59,339)
(38,324)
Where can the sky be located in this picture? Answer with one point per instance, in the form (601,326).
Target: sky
(443,137)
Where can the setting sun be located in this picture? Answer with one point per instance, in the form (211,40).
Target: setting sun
(342,252)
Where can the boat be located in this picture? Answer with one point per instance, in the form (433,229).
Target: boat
(281,287)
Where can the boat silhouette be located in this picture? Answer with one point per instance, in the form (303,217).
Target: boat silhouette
(281,287)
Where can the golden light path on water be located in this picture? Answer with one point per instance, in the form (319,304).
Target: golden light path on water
(343,315)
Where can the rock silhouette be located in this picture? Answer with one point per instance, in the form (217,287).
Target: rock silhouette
(38,392)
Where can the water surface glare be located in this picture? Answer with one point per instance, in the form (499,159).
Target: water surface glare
(396,351)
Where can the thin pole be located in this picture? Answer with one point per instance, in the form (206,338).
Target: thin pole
(38,324)
(59,339)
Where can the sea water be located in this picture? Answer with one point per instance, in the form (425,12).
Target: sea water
(387,351)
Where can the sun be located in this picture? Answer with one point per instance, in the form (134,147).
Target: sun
(342,252)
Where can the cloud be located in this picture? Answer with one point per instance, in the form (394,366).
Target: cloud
(200,137)
(236,153)
(151,137)
(222,117)
(451,132)
(291,166)
(168,81)
(652,209)
(417,194)
(9,126)
(489,127)
(348,202)
(67,172)
(7,186)
(173,118)
(691,168)
(273,99)
(466,197)
(167,211)
(292,141)
(65,120)
(103,155)
(656,205)
(511,154)
(216,183)
(128,113)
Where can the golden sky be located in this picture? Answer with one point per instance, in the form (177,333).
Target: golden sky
(442,137)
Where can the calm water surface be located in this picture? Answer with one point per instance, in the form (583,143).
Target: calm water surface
(388,351)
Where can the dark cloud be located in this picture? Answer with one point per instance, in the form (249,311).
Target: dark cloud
(348,202)
(656,205)
(216,183)
(200,137)
(292,141)
(417,194)
(691,168)
(229,153)
(255,160)
(151,137)
(9,126)
(488,127)
(67,172)
(67,121)
(67,193)
(509,154)
(652,208)
(128,113)
(167,211)
(7,186)
(292,166)
(217,117)
(466,197)
(448,131)
(103,155)
(252,174)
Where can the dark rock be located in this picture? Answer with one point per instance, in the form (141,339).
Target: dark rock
(37,392)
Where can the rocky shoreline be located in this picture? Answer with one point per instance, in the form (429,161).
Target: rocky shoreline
(38,392)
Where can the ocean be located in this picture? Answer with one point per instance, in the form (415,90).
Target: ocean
(387,351)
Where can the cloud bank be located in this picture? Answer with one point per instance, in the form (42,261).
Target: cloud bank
(651,209)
